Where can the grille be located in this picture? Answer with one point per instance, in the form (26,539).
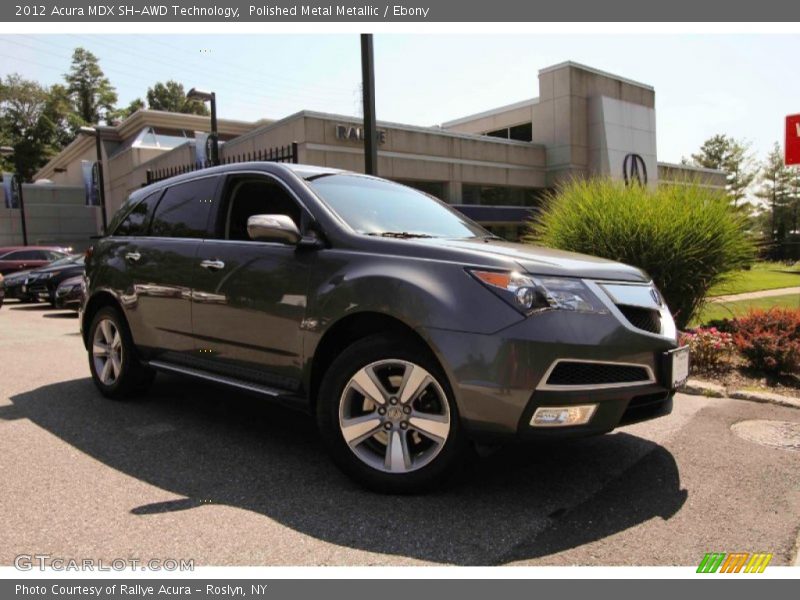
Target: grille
(642,318)
(580,373)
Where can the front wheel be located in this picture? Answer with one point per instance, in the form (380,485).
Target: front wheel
(116,371)
(387,414)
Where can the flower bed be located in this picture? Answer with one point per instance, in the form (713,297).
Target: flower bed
(760,350)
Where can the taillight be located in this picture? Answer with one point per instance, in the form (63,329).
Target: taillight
(88,254)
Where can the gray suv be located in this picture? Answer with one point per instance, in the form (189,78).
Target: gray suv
(409,331)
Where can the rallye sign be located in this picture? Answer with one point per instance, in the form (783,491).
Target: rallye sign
(792,140)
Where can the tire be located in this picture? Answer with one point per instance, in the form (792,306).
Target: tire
(124,377)
(391,448)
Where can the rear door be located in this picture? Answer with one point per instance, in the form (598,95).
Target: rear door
(162,265)
(250,299)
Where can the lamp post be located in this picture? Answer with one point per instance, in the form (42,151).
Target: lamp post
(211,98)
(97,132)
(16,184)
(368,85)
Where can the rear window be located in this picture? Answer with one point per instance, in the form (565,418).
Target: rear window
(137,222)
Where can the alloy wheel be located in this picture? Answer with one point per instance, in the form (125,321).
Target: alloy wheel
(107,352)
(394,416)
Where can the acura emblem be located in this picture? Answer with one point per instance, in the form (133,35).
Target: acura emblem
(634,170)
(655,295)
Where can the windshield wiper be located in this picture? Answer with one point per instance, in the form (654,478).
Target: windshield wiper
(399,234)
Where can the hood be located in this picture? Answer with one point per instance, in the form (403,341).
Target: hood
(539,260)
(59,269)
(17,276)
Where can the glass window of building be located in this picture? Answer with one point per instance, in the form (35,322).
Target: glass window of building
(521,133)
(489,195)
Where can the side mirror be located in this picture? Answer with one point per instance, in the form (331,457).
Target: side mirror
(273,228)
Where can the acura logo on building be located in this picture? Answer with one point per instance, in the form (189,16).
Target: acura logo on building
(634,169)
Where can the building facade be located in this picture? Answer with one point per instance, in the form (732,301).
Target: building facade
(495,166)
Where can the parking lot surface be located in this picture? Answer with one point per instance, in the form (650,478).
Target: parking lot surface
(200,472)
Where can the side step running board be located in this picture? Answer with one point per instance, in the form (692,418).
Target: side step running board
(245,385)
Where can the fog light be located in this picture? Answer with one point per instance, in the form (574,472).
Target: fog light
(562,416)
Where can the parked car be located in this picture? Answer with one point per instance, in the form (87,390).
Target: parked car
(407,329)
(14,283)
(18,258)
(42,283)
(69,293)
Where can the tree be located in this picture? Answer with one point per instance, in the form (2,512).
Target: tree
(775,189)
(713,153)
(731,156)
(741,170)
(92,95)
(171,97)
(136,104)
(32,120)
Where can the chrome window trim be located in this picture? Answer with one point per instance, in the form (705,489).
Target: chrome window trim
(544,386)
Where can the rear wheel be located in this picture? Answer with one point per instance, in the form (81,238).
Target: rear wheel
(116,370)
(387,414)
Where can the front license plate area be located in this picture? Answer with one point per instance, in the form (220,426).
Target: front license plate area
(678,366)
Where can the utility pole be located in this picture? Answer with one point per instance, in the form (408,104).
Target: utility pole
(368,84)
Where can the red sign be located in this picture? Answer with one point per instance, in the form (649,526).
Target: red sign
(793,140)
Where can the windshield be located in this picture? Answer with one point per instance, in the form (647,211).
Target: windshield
(73,258)
(379,207)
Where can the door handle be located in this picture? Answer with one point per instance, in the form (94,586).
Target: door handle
(133,256)
(213,265)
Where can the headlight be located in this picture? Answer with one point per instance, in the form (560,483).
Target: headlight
(530,294)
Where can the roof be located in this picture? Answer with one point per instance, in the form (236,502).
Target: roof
(133,124)
(589,69)
(491,112)
(5,249)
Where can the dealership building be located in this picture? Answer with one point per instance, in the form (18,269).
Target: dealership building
(494,166)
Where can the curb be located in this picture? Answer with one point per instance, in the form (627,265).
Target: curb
(696,387)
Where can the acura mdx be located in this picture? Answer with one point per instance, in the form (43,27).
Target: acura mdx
(407,330)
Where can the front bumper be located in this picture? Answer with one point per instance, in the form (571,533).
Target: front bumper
(41,289)
(499,379)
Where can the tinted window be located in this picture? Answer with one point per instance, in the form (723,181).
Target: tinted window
(26,255)
(248,197)
(183,211)
(138,220)
(376,206)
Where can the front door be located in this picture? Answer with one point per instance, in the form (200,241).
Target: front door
(249,301)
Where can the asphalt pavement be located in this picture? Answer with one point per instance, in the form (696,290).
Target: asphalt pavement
(200,472)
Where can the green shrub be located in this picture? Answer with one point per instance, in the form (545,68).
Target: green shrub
(770,340)
(686,237)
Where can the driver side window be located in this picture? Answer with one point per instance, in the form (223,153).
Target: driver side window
(256,196)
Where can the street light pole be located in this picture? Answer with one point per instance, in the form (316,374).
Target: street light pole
(211,98)
(16,185)
(368,85)
(95,131)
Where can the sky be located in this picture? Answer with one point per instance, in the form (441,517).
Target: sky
(740,85)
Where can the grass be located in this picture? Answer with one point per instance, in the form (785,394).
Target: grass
(727,310)
(763,276)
